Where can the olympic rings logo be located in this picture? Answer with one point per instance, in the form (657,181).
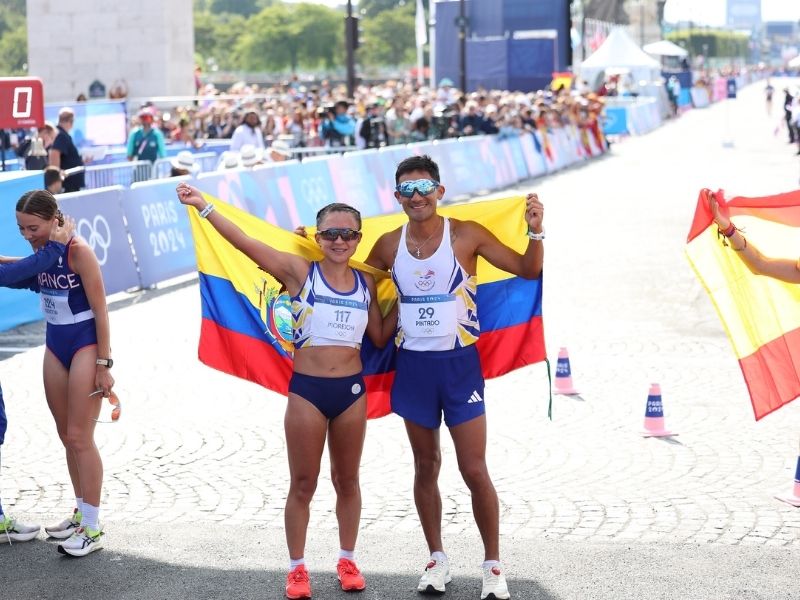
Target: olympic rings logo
(98,235)
(314,191)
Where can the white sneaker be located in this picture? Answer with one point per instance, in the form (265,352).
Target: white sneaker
(435,577)
(12,530)
(82,542)
(66,528)
(494,584)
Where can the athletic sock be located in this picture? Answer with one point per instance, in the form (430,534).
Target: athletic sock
(488,564)
(348,554)
(79,504)
(91,516)
(439,556)
(296,562)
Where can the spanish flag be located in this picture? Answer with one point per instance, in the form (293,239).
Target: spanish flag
(246,325)
(760,314)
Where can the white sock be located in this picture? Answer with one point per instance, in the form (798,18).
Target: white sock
(294,563)
(91,516)
(348,554)
(79,504)
(488,564)
(439,556)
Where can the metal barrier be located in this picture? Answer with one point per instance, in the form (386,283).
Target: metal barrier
(123,174)
(301,151)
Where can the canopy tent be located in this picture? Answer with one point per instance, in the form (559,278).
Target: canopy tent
(620,51)
(794,63)
(665,48)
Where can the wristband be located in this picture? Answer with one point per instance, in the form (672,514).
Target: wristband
(207,210)
(730,230)
(538,237)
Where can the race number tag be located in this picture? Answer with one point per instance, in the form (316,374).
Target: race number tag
(428,316)
(339,319)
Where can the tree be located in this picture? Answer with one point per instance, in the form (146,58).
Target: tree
(289,35)
(236,7)
(372,8)
(389,38)
(14,50)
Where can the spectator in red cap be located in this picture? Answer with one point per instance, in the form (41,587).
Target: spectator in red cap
(146,142)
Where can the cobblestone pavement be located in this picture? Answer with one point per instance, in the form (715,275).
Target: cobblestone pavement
(195,444)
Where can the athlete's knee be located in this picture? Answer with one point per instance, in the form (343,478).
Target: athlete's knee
(345,484)
(78,440)
(427,466)
(475,474)
(302,487)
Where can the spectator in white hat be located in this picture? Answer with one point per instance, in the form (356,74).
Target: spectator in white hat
(182,164)
(228,160)
(280,151)
(251,156)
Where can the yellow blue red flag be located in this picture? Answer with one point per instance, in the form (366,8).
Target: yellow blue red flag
(246,325)
(761,315)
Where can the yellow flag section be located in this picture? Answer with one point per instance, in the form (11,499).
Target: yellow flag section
(761,315)
(246,325)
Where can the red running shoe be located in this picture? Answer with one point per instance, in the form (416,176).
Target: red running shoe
(298,587)
(349,576)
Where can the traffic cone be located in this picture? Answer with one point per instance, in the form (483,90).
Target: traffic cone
(793,497)
(564,374)
(654,414)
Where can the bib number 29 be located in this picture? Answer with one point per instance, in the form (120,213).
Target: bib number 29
(426,313)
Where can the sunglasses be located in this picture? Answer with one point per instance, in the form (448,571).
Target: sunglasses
(422,186)
(347,234)
(116,408)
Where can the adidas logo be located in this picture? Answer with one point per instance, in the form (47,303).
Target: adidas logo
(476,397)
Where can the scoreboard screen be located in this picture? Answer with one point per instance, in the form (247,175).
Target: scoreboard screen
(21,102)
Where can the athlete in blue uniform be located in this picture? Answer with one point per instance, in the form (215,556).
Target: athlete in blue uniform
(433,261)
(15,272)
(332,308)
(76,364)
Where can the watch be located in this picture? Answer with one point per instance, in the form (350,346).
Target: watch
(105,362)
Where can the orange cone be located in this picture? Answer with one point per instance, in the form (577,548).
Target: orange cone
(654,415)
(564,375)
(793,497)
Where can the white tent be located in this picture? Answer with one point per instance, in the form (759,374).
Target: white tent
(794,63)
(620,51)
(665,48)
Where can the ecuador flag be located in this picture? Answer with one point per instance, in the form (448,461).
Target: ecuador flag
(246,325)
(760,314)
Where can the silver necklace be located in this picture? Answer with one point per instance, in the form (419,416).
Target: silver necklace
(419,246)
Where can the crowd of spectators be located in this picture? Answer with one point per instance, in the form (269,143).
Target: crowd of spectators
(393,112)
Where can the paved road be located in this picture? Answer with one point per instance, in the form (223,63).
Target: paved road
(196,472)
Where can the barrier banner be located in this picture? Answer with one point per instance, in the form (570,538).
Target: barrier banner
(514,149)
(159,228)
(309,188)
(264,192)
(700,97)
(16,306)
(99,221)
(381,167)
(533,158)
(352,183)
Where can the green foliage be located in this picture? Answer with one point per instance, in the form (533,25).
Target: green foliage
(372,8)
(14,51)
(236,7)
(389,38)
(712,43)
(215,37)
(290,35)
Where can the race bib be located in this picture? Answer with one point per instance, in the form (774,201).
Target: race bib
(56,309)
(428,315)
(339,319)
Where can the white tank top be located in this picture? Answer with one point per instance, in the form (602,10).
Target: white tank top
(438,308)
(322,316)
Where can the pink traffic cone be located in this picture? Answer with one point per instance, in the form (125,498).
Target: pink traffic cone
(654,415)
(564,374)
(793,497)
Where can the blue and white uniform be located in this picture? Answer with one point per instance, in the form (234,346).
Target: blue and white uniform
(70,320)
(438,368)
(323,316)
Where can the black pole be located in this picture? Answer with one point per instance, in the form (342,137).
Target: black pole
(350,47)
(3,146)
(462,41)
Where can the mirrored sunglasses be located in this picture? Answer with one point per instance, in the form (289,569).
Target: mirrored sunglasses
(422,186)
(347,234)
(109,416)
